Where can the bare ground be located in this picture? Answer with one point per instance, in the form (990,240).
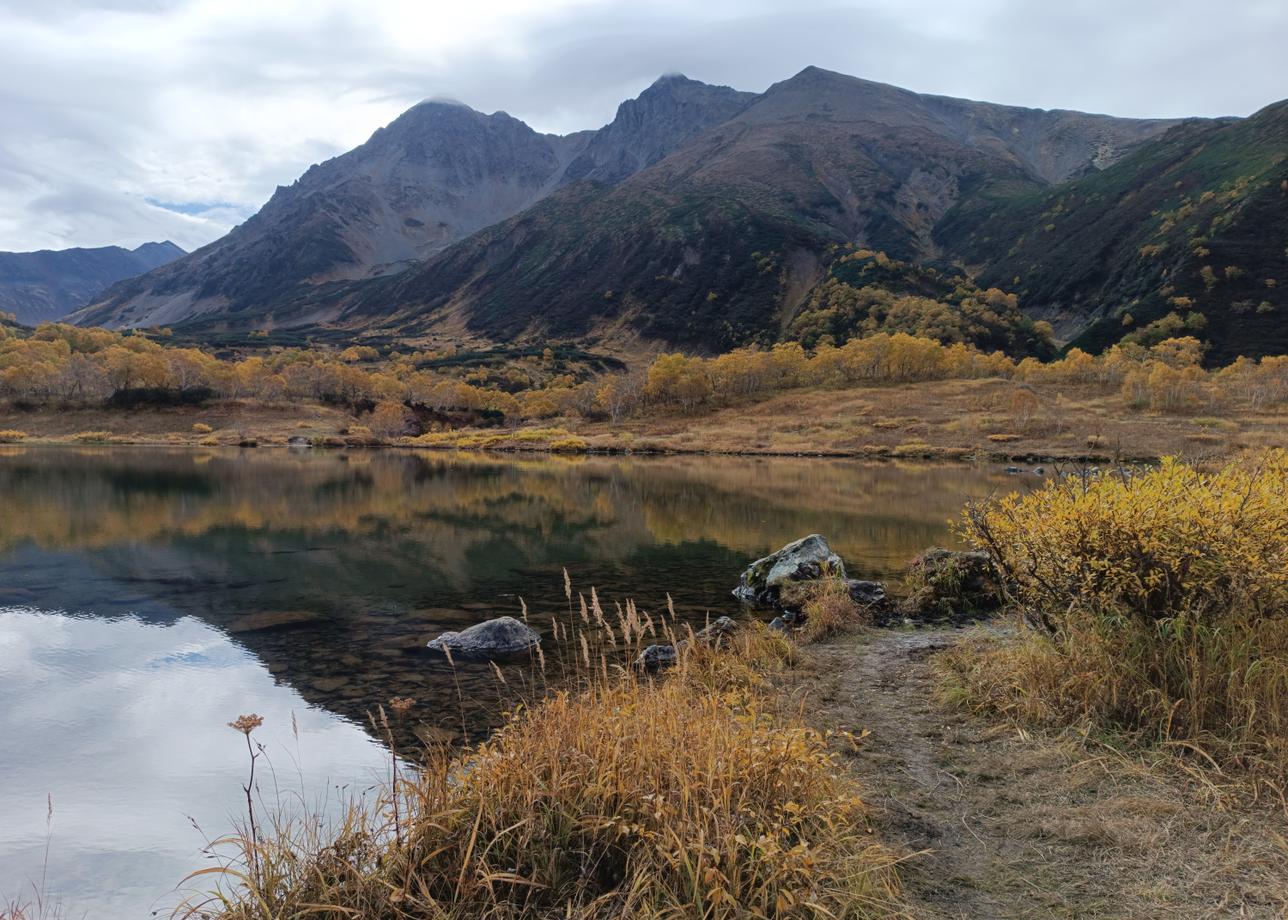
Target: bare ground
(998,822)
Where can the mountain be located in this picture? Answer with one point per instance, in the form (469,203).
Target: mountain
(719,243)
(49,284)
(437,174)
(706,217)
(1194,224)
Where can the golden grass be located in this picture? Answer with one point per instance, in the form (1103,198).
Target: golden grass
(11,436)
(829,610)
(1160,607)
(689,795)
(201,428)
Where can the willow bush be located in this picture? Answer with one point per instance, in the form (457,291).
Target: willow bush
(1159,601)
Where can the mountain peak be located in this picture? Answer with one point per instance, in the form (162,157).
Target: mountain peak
(672,111)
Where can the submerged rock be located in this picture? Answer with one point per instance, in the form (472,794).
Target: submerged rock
(952,584)
(807,559)
(271,619)
(502,636)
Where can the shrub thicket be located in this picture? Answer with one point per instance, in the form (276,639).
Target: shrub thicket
(1161,601)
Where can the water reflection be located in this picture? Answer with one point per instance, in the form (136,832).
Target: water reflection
(121,724)
(200,585)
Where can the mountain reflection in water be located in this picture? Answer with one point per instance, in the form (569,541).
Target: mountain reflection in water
(148,597)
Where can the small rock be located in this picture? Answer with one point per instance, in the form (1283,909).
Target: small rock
(656,657)
(778,624)
(1014,469)
(502,636)
(717,630)
(866,593)
(299,442)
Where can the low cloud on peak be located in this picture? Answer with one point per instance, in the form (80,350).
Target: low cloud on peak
(134,120)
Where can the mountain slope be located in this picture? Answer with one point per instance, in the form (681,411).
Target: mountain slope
(718,243)
(436,174)
(48,284)
(1195,222)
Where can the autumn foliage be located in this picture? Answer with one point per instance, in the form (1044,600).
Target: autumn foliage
(1162,601)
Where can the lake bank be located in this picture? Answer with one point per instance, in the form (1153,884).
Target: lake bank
(986,419)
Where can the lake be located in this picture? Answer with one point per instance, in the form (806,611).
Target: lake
(148,597)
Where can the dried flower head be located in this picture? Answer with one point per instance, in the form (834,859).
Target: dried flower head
(247,723)
(401,705)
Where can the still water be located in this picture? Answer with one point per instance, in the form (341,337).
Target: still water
(148,597)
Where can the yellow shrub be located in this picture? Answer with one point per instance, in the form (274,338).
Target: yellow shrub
(1162,600)
(1170,541)
(209,442)
(92,437)
(9,436)
(202,428)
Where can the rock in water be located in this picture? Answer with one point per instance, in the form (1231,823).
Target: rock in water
(298,442)
(808,559)
(656,657)
(502,636)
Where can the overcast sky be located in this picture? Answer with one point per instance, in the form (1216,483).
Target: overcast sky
(123,121)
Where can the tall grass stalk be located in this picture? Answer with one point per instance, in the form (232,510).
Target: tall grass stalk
(614,795)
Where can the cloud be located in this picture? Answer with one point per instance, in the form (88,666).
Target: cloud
(112,107)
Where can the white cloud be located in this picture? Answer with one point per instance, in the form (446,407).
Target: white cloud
(111,104)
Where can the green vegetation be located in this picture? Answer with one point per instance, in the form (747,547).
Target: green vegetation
(1193,223)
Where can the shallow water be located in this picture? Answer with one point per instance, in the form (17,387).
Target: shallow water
(148,597)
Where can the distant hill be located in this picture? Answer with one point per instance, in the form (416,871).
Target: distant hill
(1194,222)
(49,284)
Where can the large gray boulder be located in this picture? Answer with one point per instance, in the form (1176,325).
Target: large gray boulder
(807,559)
(491,638)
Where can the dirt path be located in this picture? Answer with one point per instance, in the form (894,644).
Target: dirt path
(1009,824)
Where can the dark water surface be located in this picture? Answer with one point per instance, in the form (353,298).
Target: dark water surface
(148,597)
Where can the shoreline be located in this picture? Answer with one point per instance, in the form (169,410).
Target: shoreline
(934,455)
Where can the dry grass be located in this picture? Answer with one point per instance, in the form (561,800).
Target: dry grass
(558,440)
(952,418)
(691,795)
(1001,820)
(1160,607)
(829,610)
(11,436)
